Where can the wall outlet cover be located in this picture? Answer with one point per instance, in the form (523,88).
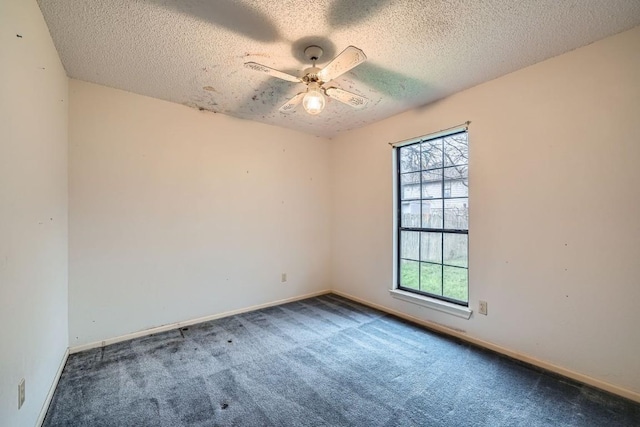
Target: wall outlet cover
(483,308)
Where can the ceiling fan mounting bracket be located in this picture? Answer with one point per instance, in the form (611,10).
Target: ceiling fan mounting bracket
(313,53)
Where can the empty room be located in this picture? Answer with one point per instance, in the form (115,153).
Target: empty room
(329,213)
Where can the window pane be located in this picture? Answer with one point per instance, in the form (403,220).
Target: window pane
(410,186)
(409,274)
(410,245)
(456,150)
(455,249)
(432,213)
(457,180)
(431,247)
(431,278)
(410,158)
(410,212)
(432,154)
(456,214)
(455,283)
(432,184)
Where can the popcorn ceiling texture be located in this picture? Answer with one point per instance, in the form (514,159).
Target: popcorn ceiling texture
(192,51)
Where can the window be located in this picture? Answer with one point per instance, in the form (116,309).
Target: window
(433,217)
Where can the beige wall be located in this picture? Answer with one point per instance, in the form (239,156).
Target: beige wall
(177,214)
(33,211)
(554,210)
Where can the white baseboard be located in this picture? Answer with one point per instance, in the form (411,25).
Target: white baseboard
(52,389)
(629,394)
(177,325)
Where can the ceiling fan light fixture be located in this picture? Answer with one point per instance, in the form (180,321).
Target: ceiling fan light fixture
(313,99)
(313,102)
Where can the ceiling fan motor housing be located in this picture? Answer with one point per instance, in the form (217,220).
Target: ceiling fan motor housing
(310,75)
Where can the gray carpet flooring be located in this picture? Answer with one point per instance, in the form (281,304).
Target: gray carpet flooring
(323,361)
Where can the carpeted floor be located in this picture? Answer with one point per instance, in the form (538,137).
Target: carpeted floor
(323,361)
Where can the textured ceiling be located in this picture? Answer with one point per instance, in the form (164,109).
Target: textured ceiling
(192,51)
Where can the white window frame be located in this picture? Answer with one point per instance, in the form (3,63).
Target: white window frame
(407,296)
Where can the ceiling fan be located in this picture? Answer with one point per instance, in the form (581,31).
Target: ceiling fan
(315,78)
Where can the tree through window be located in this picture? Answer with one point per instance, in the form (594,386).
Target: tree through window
(433,217)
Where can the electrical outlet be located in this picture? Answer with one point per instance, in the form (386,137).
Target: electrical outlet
(283,278)
(483,308)
(20,393)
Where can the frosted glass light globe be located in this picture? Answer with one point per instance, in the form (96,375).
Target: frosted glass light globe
(313,102)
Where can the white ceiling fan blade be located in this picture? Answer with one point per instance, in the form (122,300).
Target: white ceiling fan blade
(348,58)
(292,103)
(271,71)
(349,98)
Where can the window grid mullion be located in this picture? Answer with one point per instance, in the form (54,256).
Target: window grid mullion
(435,230)
(399,218)
(421,218)
(442,239)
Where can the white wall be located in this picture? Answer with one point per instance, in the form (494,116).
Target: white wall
(177,214)
(33,211)
(554,210)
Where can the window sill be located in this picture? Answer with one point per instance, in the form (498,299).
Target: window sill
(443,306)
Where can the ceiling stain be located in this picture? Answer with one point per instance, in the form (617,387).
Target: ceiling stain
(264,55)
(200,107)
